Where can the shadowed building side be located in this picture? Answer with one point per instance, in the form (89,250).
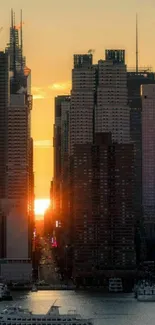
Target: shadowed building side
(103,218)
(148,165)
(4,102)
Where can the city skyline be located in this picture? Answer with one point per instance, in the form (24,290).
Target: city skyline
(52,79)
(77,145)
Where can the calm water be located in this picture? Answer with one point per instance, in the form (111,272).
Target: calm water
(105,309)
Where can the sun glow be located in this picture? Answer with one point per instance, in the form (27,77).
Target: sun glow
(40,206)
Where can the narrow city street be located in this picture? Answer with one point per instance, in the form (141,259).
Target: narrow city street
(47,267)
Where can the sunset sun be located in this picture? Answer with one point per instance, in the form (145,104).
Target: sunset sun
(40,206)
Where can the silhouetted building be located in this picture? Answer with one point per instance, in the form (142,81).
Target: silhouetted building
(102,207)
(82,100)
(95,174)
(65,169)
(61,161)
(48,224)
(148,161)
(112,113)
(134,82)
(31,197)
(51,193)
(57,154)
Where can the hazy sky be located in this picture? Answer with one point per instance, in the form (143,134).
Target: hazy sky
(56,29)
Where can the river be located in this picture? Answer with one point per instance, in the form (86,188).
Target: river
(108,309)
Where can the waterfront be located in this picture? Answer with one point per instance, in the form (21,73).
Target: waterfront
(108,309)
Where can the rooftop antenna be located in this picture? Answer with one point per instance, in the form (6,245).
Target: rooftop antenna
(21,37)
(14,25)
(136,43)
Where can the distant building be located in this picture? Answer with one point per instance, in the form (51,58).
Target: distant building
(51,195)
(65,169)
(31,196)
(148,159)
(57,153)
(39,226)
(61,160)
(102,208)
(48,223)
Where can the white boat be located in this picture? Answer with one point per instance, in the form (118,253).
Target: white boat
(115,285)
(145,292)
(19,316)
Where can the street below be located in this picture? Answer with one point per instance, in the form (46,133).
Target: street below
(47,266)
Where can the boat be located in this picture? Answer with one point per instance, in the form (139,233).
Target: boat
(145,291)
(18,315)
(34,288)
(115,285)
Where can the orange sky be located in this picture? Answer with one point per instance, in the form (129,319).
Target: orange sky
(56,29)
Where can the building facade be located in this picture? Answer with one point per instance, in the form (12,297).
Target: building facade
(17,178)
(103,218)
(57,154)
(82,100)
(148,158)
(112,112)
(17,205)
(134,82)
(4,102)
(95,167)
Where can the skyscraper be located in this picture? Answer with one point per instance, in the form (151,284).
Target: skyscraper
(31,197)
(82,100)
(61,160)
(58,151)
(134,81)
(101,167)
(4,102)
(148,160)
(17,205)
(65,166)
(17,180)
(112,112)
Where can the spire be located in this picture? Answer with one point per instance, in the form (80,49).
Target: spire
(136,43)
(21,37)
(14,46)
(12,18)
(14,24)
